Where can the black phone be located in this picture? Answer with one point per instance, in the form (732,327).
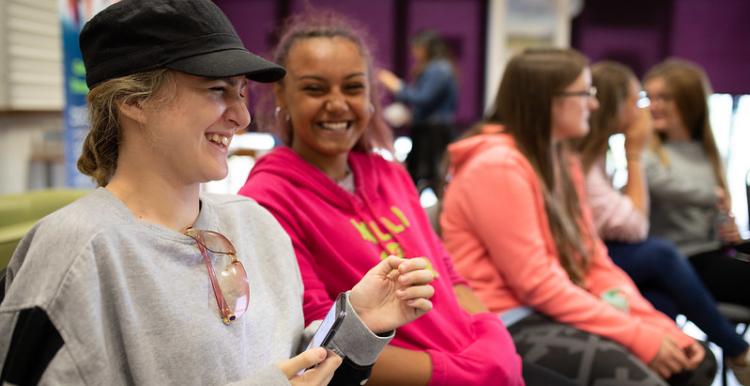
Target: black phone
(330,324)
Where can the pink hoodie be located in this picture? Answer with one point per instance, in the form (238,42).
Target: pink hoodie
(496,228)
(338,236)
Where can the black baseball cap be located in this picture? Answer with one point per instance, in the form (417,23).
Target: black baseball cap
(192,36)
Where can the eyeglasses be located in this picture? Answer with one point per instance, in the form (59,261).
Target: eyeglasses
(231,287)
(660,97)
(590,93)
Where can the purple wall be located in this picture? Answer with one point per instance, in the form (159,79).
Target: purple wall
(376,16)
(390,24)
(715,34)
(255,22)
(641,33)
(465,38)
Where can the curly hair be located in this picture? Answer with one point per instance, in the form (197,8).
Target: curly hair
(329,24)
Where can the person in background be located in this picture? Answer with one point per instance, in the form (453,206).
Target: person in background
(662,273)
(516,223)
(146,280)
(433,99)
(690,200)
(346,208)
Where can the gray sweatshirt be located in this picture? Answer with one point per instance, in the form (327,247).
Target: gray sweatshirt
(133,303)
(683,201)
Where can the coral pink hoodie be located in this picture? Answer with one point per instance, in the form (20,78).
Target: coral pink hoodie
(496,229)
(339,236)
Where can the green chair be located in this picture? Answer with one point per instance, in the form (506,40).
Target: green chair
(19,212)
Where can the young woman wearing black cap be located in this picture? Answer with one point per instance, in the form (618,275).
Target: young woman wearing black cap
(138,282)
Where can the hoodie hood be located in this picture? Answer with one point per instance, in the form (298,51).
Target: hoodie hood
(284,162)
(464,151)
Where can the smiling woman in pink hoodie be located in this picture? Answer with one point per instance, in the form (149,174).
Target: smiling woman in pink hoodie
(346,208)
(516,224)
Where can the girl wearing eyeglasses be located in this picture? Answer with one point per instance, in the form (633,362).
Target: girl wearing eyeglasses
(661,272)
(689,192)
(148,281)
(345,208)
(516,223)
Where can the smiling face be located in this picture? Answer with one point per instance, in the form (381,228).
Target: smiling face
(664,114)
(570,113)
(326,93)
(185,129)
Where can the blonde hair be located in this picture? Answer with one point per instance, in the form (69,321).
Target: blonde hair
(102,144)
(690,89)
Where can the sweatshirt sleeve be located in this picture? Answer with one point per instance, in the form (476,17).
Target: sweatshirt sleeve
(509,219)
(615,216)
(358,346)
(357,342)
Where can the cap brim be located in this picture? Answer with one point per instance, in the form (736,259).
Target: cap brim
(228,63)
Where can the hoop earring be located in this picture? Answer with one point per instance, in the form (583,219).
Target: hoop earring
(277,112)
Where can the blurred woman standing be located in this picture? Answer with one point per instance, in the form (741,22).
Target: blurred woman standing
(433,99)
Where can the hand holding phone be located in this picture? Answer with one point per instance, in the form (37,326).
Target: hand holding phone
(323,365)
(328,327)
(330,324)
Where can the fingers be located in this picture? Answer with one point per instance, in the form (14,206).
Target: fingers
(670,359)
(421,305)
(415,292)
(408,271)
(306,359)
(418,277)
(413,264)
(676,361)
(388,265)
(729,236)
(695,354)
(320,375)
(662,371)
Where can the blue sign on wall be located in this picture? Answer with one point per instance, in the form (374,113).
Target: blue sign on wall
(74,15)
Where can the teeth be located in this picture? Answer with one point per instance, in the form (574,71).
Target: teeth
(219,139)
(334,125)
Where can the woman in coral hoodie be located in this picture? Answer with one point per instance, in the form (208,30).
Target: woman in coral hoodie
(346,208)
(516,223)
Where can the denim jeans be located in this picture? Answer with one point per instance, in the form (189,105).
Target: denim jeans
(668,280)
